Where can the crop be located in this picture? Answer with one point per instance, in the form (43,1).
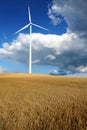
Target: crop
(42,102)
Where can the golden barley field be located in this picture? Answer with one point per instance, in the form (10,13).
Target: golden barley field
(42,102)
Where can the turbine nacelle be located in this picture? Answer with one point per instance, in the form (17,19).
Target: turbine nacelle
(31,24)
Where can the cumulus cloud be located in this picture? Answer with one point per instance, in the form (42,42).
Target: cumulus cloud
(3,70)
(74,13)
(58,72)
(72,71)
(72,54)
(82,69)
(55,19)
(51,57)
(66,51)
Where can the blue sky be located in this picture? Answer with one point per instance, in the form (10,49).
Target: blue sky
(14,14)
(58,49)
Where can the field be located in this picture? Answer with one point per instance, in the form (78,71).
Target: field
(42,102)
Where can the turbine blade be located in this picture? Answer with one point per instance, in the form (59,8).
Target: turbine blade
(39,26)
(29,14)
(22,28)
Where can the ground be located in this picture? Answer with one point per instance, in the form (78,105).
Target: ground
(42,102)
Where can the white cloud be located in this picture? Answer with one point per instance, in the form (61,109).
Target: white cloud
(35,61)
(64,50)
(50,57)
(74,13)
(58,72)
(3,70)
(82,69)
(55,19)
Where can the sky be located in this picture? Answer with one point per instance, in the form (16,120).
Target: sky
(61,50)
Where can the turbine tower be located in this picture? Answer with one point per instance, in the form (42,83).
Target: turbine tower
(30,24)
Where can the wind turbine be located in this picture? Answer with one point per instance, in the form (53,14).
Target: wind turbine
(30,24)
